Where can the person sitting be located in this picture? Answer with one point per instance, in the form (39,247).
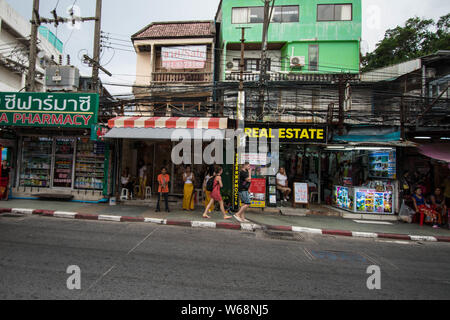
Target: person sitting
(127,182)
(421,208)
(437,201)
(282,184)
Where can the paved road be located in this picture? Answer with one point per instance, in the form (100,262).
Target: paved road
(145,261)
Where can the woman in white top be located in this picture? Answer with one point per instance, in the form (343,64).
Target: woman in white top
(188,192)
(282,183)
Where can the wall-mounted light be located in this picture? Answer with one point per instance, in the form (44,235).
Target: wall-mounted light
(422,138)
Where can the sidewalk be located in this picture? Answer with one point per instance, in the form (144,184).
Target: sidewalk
(317,224)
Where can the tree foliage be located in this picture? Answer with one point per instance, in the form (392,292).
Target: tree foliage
(418,37)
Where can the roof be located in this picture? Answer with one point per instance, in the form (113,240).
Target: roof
(176,29)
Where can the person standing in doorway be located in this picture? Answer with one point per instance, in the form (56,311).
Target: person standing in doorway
(209,175)
(163,189)
(142,179)
(216,196)
(188,191)
(245,180)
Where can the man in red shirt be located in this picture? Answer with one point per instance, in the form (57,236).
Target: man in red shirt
(163,189)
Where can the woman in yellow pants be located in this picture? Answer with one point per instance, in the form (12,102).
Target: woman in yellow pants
(188,192)
(209,174)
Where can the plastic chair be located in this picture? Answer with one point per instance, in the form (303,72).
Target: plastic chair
(124,194)
(148,192)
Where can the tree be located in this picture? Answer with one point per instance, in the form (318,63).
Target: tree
(418,37)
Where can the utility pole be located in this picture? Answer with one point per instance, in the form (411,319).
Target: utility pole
(263,64)
(95,66)
(30,83)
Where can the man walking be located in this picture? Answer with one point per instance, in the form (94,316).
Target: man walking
(245,179)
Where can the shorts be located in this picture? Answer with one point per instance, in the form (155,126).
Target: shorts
(245,198)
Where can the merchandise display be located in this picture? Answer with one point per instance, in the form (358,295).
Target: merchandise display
(382,165)
(89,172)
(36,162)
(63,163)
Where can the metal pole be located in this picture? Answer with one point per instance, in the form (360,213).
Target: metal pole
(30,84)
(263,66)
(95,66)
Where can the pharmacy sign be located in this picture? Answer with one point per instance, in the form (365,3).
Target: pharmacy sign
(46,109)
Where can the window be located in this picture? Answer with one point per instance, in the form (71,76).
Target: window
(256,14)
(251,64)
(313,57)
(334,12)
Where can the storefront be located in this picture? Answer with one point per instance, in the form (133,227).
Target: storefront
(363,179)
(58,153)
(149,141)
(299,152)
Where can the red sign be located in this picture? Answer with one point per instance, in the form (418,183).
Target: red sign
(258,186)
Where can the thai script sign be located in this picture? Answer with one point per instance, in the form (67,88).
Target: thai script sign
(43,109)
(184,57)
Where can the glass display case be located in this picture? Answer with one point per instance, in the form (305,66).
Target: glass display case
(36,162)
(62,173)
(90,162)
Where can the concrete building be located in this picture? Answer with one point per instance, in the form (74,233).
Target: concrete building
(15,33)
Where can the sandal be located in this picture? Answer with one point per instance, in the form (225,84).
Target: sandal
(206,216)
(227,217)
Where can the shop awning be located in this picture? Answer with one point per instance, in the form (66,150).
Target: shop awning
(438,151)
(168,122)
(369,134)
(162,128)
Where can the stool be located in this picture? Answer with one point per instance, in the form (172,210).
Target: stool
(124,194)
(148,192)
(198,195)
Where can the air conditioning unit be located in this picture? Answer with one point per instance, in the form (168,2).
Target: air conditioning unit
(298,61)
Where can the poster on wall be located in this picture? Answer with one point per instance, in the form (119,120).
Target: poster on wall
(382,165)
(184,57)
(371,201)
(342,196)
(258,193)
(301,193)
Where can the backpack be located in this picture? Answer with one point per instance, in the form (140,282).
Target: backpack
(210,184)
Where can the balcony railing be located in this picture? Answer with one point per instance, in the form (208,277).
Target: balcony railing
(281,76)
(182,77)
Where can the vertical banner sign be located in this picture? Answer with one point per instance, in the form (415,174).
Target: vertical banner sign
(184,57)
(43,109)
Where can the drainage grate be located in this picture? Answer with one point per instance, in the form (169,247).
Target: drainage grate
(281,235)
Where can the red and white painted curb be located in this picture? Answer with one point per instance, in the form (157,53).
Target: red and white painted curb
(186,223)
(357,234)
(224,225)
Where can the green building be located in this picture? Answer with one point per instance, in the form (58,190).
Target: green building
(304,37)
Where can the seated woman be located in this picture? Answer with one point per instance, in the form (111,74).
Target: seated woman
(421,208)
(438,203)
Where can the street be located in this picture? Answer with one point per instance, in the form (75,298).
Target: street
(145,261)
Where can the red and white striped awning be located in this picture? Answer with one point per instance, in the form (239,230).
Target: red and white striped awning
(168,122)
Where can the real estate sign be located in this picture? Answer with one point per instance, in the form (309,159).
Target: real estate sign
(184,57)
(44,109)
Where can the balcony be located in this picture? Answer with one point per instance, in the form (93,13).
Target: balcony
(182,77)
(282,76)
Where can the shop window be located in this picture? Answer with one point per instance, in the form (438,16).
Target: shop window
(334,12)
(89,169)
(36,162)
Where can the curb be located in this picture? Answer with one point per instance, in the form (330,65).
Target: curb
(85,216)
(357,234)
(224,225)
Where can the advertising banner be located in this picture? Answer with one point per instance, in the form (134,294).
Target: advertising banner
(289,133)
(258,190)
(43,109)
(184,57)
(301,193)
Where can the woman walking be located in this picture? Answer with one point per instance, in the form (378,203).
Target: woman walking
(188,191)
(209,175)
(215,194)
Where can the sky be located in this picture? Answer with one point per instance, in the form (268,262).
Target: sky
(122,18)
